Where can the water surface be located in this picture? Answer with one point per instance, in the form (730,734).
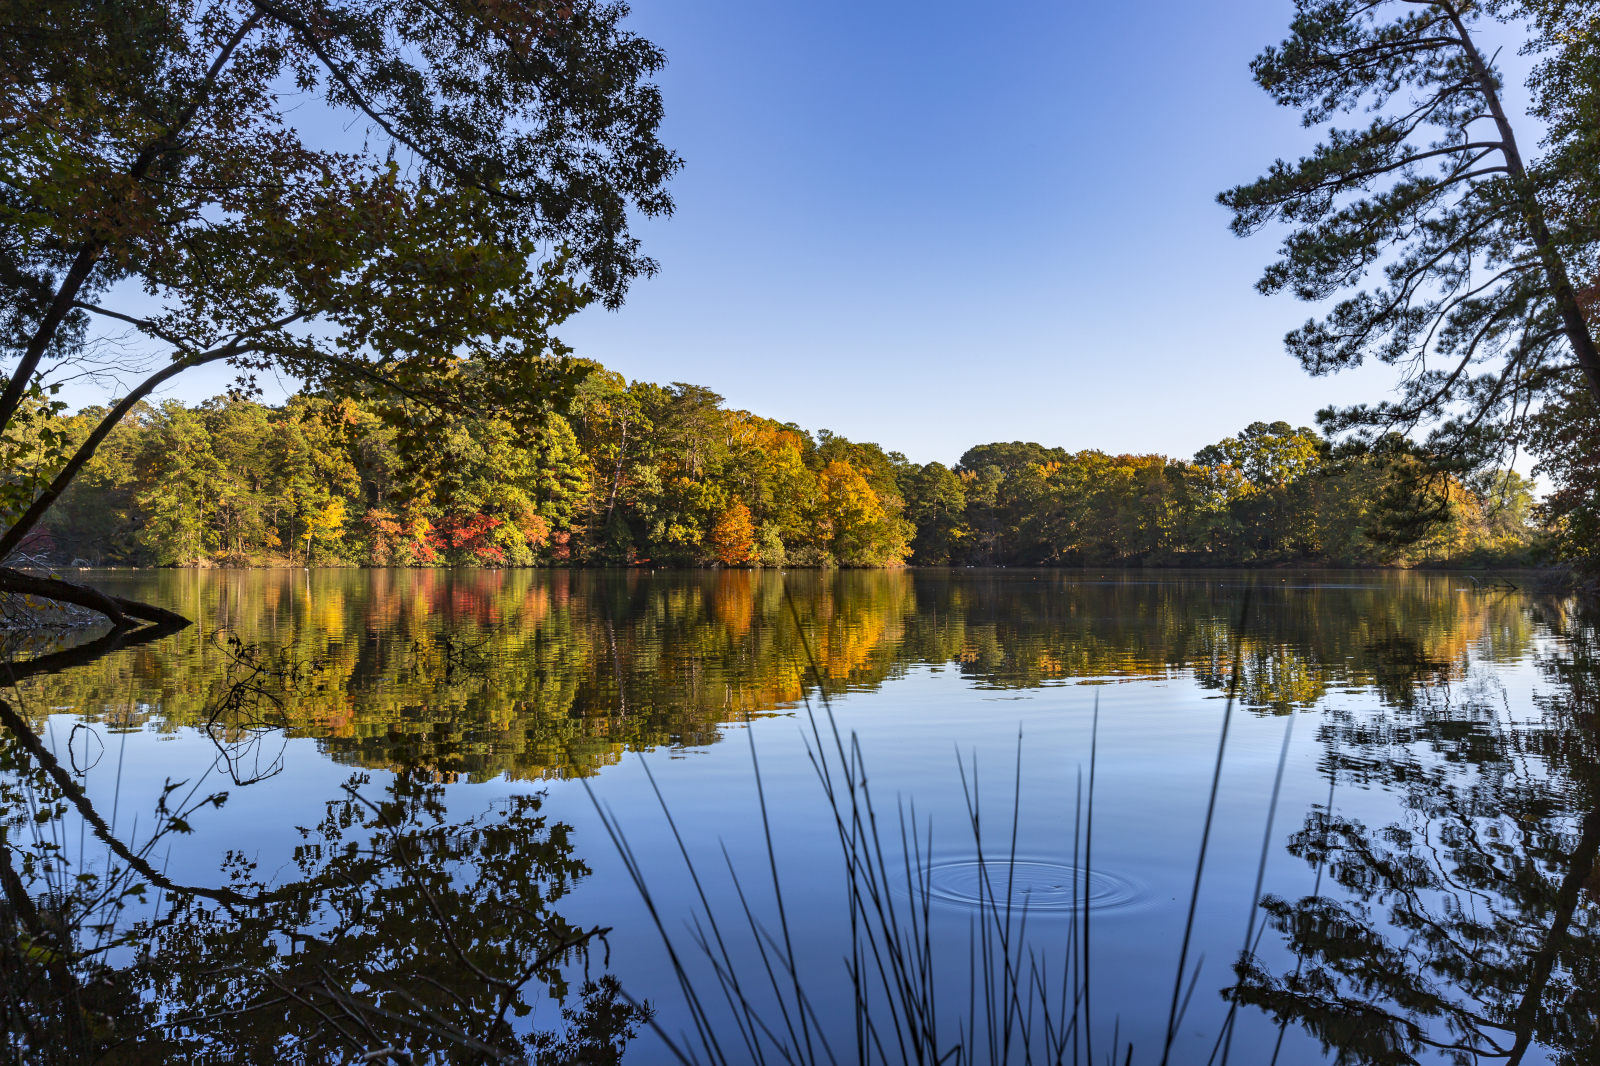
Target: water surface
(1431,746)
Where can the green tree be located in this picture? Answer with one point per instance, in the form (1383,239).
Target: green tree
(1273,512)
(1566,437)
(612,429)
(769,547)
(936,504)
(1009,458)
(240,435)
(98,519)
(311,465)
(1269,455)
(984,470)
(180,476)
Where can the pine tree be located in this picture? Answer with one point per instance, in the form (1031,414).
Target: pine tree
(1435,200)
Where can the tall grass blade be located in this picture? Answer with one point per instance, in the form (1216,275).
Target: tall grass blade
(1261,873)
(1088,887)
(1205,836)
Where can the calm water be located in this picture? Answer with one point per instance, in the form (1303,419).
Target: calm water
(1450,727)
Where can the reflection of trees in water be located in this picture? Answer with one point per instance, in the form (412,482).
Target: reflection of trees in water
(1018,630)
(529,674)
(541,674)
(1439,927)
(1471,927)
(394,929)
(397,935)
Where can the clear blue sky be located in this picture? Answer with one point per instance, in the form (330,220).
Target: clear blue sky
(934,225)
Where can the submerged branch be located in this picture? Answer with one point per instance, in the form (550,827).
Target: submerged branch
(74,793)
(116,608)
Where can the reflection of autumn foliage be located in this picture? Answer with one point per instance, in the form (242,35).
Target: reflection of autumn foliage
(555,673)
(735,604)
(470,674)
(1022,629)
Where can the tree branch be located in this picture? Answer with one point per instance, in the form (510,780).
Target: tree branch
(138,323)
(1579,868)
(116,608)
(83,654)
(89,254)
(86,450)
(82,265)
(74,793)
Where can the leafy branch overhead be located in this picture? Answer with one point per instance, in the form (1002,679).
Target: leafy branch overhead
(395,201)
(1461,248)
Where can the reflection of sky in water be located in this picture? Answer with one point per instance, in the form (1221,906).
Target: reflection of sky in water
(1038,886)
(508,681)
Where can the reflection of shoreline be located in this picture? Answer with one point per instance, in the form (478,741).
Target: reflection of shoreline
(542,674)
(649,567)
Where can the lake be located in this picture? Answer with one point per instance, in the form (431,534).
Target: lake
(440,783)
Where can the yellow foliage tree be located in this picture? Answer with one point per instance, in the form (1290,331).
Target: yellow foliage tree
(852,517)
(325,524)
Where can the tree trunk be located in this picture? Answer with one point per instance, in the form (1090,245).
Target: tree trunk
(1572,320)
(1579,869)
(11,399)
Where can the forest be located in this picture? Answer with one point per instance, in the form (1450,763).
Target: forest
(641,474)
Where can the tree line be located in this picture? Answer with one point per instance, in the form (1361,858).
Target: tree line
(642,474)
(626,474)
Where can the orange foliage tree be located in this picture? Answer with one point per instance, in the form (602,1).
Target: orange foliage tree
(733,537)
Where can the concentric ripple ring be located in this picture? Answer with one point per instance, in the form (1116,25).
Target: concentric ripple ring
(1042,886)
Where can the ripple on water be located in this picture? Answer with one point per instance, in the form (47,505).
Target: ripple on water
(1043,886)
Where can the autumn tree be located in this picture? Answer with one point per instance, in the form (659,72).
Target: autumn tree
(858,528)
(1449,238)
(1270,455)
(155,181)
(733,537)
